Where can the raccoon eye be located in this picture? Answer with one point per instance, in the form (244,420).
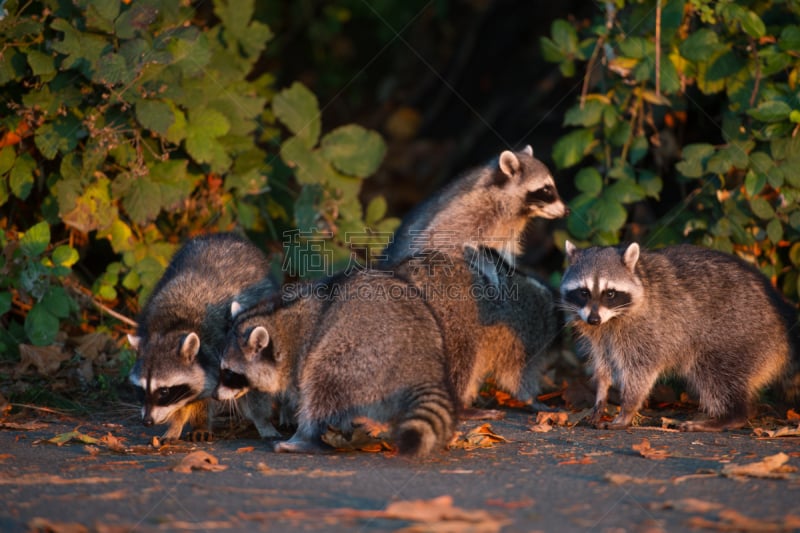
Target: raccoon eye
(545,195)
(162,393)
(585,293)
(611,294)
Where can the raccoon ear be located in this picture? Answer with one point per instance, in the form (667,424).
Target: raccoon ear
(236,308)
(190,346)
(528,150)
(631,256)
(571,251)
(134,341)
(259,339)
(509,166)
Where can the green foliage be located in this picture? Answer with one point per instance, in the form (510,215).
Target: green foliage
(139,124)
(718,122)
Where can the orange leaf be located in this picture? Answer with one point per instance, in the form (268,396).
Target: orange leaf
(647,451)
(792,415)
(245,449)
(585,460)
(198,460)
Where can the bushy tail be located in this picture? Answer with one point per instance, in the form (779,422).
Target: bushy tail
(428,422)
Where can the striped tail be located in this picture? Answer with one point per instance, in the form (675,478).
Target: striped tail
(428,421)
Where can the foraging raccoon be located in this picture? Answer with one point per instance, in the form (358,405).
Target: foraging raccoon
(182,327)
(703,315)
(479,219)
(354,346)
(487,207)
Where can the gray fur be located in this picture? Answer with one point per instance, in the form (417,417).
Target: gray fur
(348,347)
(700,314)
(479,219)
(486,207)
(191,303)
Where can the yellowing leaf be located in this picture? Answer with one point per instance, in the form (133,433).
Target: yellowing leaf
(74,435)
(479,437)
(773,466)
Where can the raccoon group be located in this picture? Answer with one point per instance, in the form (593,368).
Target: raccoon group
(216,332)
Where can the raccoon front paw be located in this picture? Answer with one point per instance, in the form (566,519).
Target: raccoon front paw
(199,435)
(301,446)
(595,418)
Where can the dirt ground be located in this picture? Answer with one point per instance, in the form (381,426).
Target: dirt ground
(65,474)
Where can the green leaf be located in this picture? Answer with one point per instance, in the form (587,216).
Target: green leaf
(762,208)
(589,181)
(636,47)
(700,45)
(754,182)
(376,210)
(204,128)
(353,150)
(790,38)
(21,176)
(41,64)
(589,116)
(794,254)
(724,66)
(57,302)
(639,149)
(65,255)
(551,52)
(41,326)
(5,302)
(752,24)
(775,230)
(570,149)
(650,184)
(770,111)
(611,215)
(625,191)
(564,36)
(297,108)
(309,166)
(694,156)
(155,115)
(36,240)
(7,158)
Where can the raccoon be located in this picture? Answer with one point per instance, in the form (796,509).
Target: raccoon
(483,335)
(375,350)
(182,326)
(486,208)
(697,313)
(478,219)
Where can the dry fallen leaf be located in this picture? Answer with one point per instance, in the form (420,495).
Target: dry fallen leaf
(783,431)
(644,448)
(773,467)
(792,416)
(23,426)
(245,449)
(75,435)
(439,514)
(690,505)
(732,520)
(46,359)
(479,437)
(198,460)
(112,443)
(585,460)
(367,436)
(48,526)
(623,479)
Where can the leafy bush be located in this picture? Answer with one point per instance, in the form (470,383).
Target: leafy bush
(139,124)
(695,100)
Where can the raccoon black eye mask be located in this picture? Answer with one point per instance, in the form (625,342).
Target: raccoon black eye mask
(641,314)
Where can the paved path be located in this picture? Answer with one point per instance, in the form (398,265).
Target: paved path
(565,479)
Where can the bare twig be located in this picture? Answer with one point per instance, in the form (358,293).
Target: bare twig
(754,94)
(658,48)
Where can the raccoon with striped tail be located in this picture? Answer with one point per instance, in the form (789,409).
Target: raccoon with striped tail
(699,314)
(182,327)
(478,219)
(353,346)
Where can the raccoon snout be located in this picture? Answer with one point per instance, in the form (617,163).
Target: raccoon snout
(594,318)
(147,421)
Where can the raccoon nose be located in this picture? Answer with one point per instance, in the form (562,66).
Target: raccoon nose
(593,318)
(147,421)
